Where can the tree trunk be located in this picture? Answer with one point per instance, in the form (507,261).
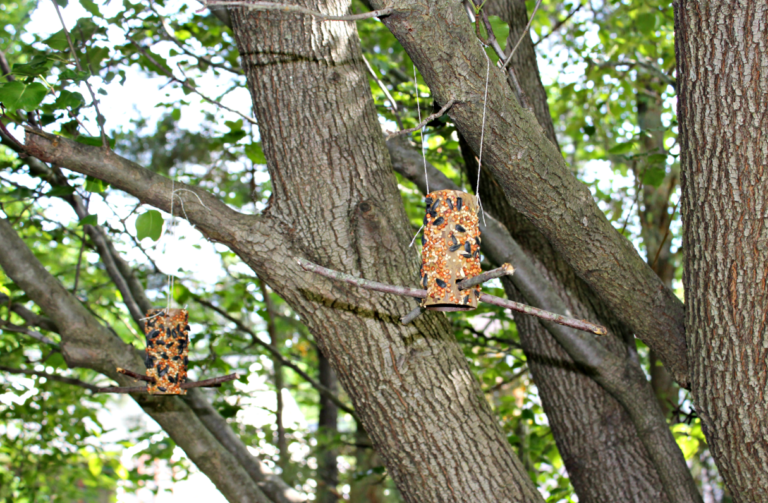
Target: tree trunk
(366,488)
(722,57)
(327,464)
(336,201)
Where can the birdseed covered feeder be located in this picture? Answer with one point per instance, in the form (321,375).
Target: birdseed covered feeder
(167,334)
(451,250)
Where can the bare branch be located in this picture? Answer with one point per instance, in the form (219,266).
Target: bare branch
(412,315)
(420,294)
(423,123)
(52,377)
(301,10)
(504,270)
(522,35)
(135,375)
(186,84)
(27,331)
(214,382)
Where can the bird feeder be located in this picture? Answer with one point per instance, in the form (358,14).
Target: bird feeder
(451,251)
(167,334)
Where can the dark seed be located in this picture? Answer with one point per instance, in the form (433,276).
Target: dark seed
(466,255)
(466,299)
(432,213)
(450,203)
(477,253)
(175,358)
(161,389)
(477,239)
(153,334)
(161,373)
(467,246)
(186,328)
(424,281)
(460,228)
(149,362)
(458,204)
(477,293)
(172,380)
(454,248)
(428,200)
(164,356)
(439,221)
(453,238)
(441,283)
(436,204)
(186,360)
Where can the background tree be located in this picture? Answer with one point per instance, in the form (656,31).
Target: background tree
(519,409)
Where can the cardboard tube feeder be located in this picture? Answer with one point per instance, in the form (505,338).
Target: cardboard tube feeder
(451,251)
(167,333)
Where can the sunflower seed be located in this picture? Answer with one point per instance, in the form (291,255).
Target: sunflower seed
(455,241)
(450,203)
(441,283)
(467,246)
(439,221)
(454,248)
(459,228)
(466,255)
(458,204)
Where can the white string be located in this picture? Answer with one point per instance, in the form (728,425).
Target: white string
(170,277)
(482,132)
(418,109)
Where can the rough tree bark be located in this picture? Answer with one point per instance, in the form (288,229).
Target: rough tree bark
(335,201)
(533,175)
(722,57)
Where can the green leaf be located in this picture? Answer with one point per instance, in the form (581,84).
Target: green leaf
(500,29)
(255,154)
(149,225)
(17,95)
(69,99)
(91,7)
(654,175)
(60,191)
(95,185)
(176,114)
(657,158)
(646,23)
(39,65)
(89,220)
(73,75)
(590,130)
(94,141)
(234,126)
(622,148)
(57,41)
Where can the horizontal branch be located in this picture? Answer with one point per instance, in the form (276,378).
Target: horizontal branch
(52,377)
(504,270)
(420,294)
(10,327)
(298,9)
(214,382)
(135,375)
(423,123)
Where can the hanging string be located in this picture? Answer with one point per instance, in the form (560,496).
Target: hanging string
(418,109)
(170,276)
(482,132)
(423,154)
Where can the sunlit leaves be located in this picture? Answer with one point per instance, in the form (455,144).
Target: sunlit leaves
(18,95)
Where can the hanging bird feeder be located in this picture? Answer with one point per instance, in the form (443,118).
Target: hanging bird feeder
(167,333)
(167,348)
(451,251)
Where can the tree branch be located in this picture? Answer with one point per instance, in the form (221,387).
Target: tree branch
(298,9)
(420,294)
(52,377)
(423,123)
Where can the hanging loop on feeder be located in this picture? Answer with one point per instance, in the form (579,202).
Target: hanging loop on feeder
(451,251)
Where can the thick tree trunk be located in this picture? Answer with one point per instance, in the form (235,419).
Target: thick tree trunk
(722,57)
(327,462)
(336,201)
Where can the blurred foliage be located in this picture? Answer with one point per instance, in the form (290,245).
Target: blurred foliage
(600,60)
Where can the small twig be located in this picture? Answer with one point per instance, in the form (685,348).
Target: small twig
(384,89)
(208,383)
(27,331)
(412,315)
(522,35)
(185,84)
(664,239)
(544,315)
(559,25)
(82,249)
(100,118)
(420,294)
(213,382)
(52,377)
(504,270)
(296,8)
(137,376)
(423,123)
